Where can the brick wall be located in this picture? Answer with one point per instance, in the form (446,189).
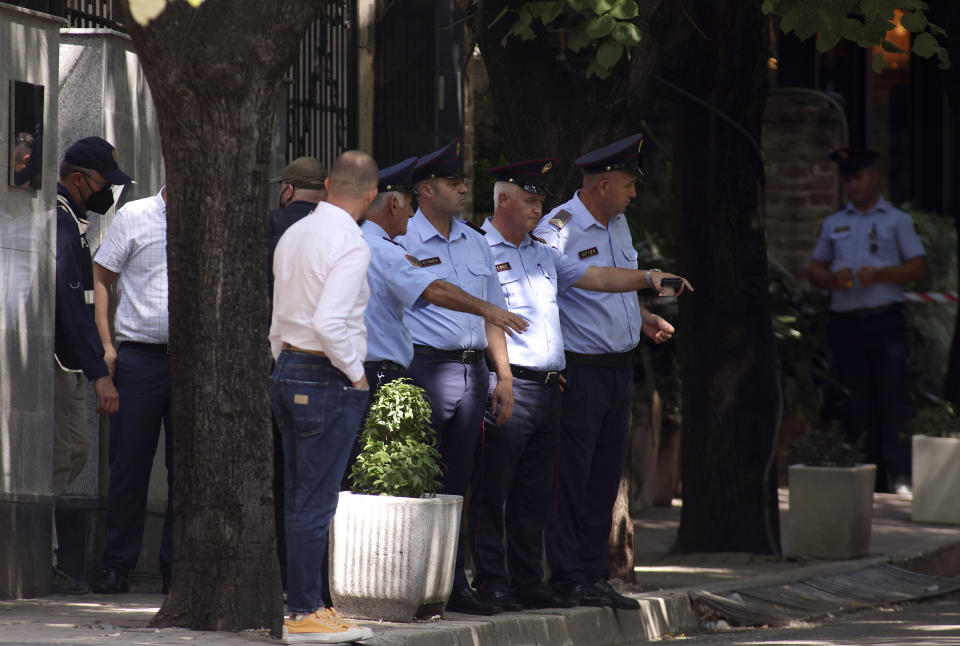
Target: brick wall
(799,131)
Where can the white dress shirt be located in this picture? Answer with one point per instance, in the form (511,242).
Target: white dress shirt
(135,247)
(320,289)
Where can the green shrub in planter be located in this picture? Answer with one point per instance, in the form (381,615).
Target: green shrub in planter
(823,448)
(937,420)
(398,454)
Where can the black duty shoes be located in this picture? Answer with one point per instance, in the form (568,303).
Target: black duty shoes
(111,581)
(581,594)
(63,583)
(464,600)
(539,596)
(499,598)
(615,599)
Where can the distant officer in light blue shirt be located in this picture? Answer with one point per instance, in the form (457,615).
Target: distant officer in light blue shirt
(513,486)
(450,347)
(866,252)
(600,331)
(397,281)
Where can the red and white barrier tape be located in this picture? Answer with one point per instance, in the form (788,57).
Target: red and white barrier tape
(928,297)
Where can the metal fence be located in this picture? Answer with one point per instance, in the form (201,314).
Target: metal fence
(321,115)
(321,104)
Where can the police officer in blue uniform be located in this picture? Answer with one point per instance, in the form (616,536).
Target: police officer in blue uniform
(449,347)
(513,487)
(865,254)
(88,171)
(397,281)
(600,331)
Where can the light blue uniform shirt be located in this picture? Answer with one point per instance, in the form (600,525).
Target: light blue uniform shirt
(882,237)
(530,276)
(594,322)
(463,260)
(396,282)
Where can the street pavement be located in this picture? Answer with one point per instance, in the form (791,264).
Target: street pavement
(666,586)
(935,622)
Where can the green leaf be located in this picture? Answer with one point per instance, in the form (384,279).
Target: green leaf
(827,40)
(578,39)
(552,12)
(600,27)
(891,47)
(915,22)
(627,34)
(609,53)
(767,7)
(625,9)
(944,55)
(937,29)
(879,64)
(789,22)
(500,15)
(925,45)
(579,5)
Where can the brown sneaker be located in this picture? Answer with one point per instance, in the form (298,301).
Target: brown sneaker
(322,627)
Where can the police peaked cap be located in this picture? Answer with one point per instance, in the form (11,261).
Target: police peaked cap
(398,177)
(850,160)
(532,176)
(446,162)
(623,155)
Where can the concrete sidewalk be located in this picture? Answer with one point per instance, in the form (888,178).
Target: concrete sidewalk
(666,586)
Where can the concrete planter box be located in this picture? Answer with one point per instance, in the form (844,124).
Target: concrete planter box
(392,558)
(831,509)
(936,479)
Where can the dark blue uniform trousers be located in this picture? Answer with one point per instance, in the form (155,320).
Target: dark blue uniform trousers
(458,395)
(590,457)
(143,382)
(870,360)
(513,488)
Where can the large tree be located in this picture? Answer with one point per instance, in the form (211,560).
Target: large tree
(214,72)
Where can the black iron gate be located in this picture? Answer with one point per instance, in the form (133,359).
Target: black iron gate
(321,99)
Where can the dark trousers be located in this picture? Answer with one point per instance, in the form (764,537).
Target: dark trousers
(590,457)
(318,414)
(870,360)
(513,488)
(143,382)
(458,395)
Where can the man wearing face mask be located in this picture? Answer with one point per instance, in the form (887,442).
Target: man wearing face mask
(88,170)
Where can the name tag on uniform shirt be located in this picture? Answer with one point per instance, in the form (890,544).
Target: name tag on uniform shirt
(841,229)
(586,253)
(503,266)
(428,262)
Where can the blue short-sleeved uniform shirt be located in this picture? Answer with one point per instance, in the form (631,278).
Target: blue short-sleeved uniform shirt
(463,260)
(531,276)
(882,237)
(396,282)
(594,322)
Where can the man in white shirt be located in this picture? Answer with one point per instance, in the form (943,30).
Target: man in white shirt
(318,389)
(134,255)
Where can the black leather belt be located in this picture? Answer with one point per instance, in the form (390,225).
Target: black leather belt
(870,311)
(384,365)
(159,348)
(609,360)
(545,378)
(462,356)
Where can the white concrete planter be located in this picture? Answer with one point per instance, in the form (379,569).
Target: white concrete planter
(936,479)
(390,556)
(831,509)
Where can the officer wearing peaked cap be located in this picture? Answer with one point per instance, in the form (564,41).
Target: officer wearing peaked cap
(513,482)
(600,331)
(397,281)
(865,253)
(449,346)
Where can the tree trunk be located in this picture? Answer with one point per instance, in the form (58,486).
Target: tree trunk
(214,73)
(727,351)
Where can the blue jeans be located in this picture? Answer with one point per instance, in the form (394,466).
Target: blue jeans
(319,415)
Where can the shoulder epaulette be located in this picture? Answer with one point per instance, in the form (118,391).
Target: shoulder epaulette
(537,238)
(561,218)
(474,227)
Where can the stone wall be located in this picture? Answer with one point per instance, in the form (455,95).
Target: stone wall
(800,129)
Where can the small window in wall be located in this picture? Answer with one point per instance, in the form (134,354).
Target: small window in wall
(26,134)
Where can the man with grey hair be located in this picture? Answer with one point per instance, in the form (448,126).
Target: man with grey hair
(318,390)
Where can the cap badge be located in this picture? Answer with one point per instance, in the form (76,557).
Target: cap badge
(640,145)
(546,168)
(458,149)
(114,153)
